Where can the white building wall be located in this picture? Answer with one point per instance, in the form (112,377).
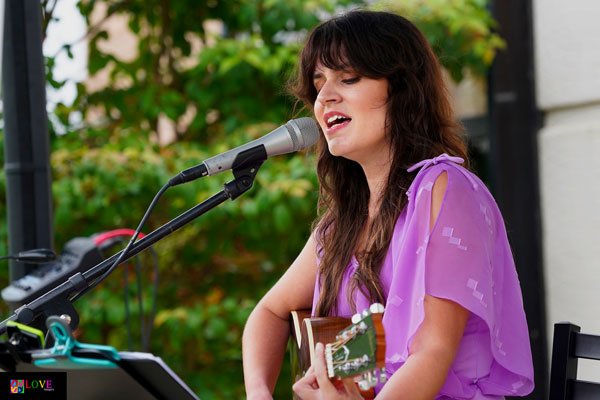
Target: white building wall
(567,58)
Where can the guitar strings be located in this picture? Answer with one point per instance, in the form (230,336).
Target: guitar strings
(347,361)
(337,345)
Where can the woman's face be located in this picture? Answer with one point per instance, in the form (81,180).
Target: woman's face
(351,111)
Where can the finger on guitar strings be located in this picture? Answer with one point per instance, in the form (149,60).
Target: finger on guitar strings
(307,386)
(316,384)
(321,370)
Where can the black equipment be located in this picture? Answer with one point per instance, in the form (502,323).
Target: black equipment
(79,254)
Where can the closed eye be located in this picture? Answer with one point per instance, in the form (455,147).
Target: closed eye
(350,81)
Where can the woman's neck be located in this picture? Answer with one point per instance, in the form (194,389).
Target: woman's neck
(377,175)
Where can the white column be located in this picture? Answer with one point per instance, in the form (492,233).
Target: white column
(567,55)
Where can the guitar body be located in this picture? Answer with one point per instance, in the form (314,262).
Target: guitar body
(306,332)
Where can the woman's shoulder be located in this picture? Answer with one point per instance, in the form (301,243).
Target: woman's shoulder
(454,176)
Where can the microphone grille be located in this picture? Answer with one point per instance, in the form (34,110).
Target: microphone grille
(303,131)
(294,131)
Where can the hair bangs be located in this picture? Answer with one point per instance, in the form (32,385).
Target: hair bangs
(340,44)
(330,49)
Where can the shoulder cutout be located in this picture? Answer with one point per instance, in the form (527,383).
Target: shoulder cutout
(437,197)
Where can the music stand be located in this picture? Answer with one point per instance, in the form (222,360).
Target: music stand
(139,376)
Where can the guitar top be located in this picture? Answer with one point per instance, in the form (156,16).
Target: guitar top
(353,347)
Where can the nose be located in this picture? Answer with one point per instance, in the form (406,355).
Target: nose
(329,94)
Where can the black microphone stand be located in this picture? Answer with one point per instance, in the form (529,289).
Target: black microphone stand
(58,300)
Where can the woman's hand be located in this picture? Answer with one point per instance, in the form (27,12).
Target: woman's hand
(315,385)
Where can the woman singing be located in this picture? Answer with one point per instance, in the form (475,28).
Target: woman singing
(402,222)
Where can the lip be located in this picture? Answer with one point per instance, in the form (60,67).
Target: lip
(336,127)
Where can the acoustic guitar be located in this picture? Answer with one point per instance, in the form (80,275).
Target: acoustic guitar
(353,348)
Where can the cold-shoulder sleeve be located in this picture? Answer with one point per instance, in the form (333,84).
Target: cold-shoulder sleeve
(465,258)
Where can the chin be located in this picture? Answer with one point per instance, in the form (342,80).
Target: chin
(335,151)
(342,155)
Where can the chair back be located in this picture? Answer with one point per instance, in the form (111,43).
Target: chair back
(568,346)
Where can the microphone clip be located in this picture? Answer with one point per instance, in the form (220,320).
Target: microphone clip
(245,166)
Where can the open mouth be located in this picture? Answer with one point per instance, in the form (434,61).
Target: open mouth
(336,120)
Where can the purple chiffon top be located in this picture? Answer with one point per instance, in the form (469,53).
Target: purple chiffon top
(465,258)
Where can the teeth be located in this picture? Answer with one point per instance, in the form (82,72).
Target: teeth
(334,118)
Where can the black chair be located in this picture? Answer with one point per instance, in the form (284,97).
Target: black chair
(569,345)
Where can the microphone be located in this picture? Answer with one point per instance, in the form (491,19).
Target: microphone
(297,134)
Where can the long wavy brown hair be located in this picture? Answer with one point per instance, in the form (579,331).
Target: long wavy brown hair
(420,125)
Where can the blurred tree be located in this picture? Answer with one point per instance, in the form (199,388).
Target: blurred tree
(461,32)
(214,74)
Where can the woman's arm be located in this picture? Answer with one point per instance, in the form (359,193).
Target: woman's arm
(267,329)
(434,346)
(431,352)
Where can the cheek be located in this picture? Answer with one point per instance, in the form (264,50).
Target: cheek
(318,111)
(318,107)
(380,110)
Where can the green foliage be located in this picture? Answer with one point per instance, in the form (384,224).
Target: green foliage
(460,31)
(211,271)
(227,76)
(220,87)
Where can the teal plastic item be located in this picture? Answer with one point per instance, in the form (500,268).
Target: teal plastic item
(61,355)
